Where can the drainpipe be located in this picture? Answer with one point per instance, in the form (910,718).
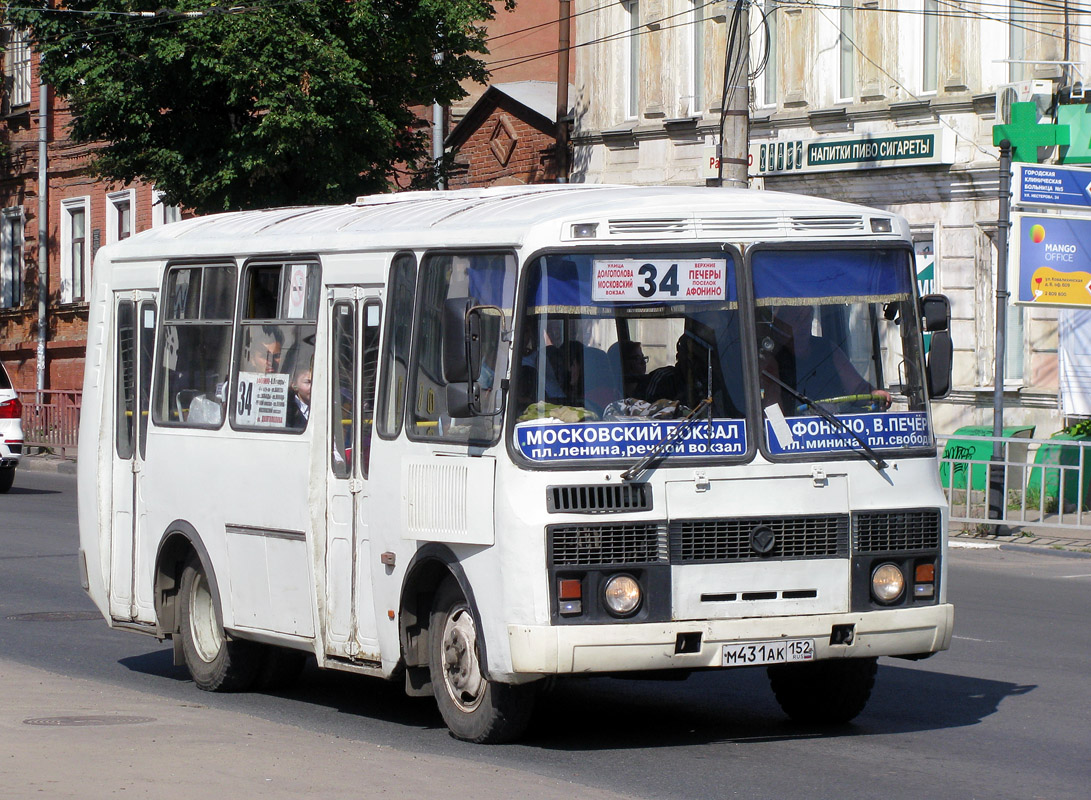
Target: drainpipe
(43,226)
(438,134)
(563,45)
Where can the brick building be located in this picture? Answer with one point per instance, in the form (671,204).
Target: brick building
(82,214)
(507,137)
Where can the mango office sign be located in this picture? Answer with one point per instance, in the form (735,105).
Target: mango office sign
(832,153)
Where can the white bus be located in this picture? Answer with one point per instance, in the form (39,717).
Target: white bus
(469,440)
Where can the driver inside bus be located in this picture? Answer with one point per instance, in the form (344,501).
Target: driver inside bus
(821,370)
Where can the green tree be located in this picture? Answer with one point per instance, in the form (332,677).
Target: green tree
(284,102)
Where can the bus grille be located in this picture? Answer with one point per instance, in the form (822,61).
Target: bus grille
(598,498)
(591,545)
(704,540)
(896,531)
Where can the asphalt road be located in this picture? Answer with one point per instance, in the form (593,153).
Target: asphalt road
(1003,714)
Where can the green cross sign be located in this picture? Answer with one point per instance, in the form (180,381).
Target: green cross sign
(1026,135)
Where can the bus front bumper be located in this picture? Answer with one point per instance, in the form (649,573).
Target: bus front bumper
(620,647)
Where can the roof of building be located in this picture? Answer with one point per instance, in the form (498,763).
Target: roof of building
(538,97)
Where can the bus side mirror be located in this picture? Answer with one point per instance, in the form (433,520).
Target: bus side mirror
(939,364)
(462,356)
(935,312)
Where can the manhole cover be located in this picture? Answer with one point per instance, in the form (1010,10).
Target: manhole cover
(86,721)
(55,616)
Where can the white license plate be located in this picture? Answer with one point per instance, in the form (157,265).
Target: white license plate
(780,651)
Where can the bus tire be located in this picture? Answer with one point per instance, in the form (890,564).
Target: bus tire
(824,692)
(216,663)
(474,708)
(7,478)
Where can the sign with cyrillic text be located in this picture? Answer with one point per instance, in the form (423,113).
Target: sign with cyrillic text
(553,441)
(638,280)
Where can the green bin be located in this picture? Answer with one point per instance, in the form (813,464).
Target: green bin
(962,455)
(1047,482)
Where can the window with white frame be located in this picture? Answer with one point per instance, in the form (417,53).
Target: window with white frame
(847,51)
(11,257)
(930,49)
(162,212)
(16,67)
(1018,22)
(770,18)
(119,215)
(75,248)
(694,39)
(632,59)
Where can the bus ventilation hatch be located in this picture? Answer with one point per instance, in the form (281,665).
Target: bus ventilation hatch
(598,498)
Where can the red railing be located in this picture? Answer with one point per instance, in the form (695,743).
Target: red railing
(51,419)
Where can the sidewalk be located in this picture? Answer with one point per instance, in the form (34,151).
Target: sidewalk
(1076,540)
(65,737)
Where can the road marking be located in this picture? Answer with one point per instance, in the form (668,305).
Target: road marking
(972,639)
(1085,575)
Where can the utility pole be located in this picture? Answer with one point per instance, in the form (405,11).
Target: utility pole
(997,468)
(563,46)
(43,231)
(734,150)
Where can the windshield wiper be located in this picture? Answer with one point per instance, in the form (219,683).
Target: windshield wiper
(637,469)
(865,451)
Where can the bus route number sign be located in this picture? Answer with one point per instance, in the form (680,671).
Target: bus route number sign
(636,280)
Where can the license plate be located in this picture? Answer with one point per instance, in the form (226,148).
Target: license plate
(781,651)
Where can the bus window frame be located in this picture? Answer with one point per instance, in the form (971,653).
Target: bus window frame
(160,335)
(590,247)
(384,366)
(414,365)
(751,355)
(242,285)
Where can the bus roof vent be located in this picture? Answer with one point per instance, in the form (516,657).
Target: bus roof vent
(598,498)
(736,226)
(812,224)
(675,226)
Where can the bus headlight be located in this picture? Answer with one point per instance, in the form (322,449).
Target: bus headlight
(622,595)
(887,583)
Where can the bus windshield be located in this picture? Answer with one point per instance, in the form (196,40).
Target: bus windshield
(614,347)
(838,336)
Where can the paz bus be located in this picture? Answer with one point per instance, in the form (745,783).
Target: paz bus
(469,440)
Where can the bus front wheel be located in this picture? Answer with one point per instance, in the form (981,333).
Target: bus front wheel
(474,708)
(824,692)
(216,663)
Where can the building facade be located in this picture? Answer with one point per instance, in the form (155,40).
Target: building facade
(889,104)
(82,214)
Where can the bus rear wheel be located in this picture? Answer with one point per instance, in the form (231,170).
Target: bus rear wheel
(824,692)
(216,663)
(7,478)
(474,708)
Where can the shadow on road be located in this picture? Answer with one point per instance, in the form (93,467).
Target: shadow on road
(17,489)
(614,714)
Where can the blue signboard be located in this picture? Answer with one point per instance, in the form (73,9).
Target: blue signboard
(878,431)
(1047,185)
(549,440)
(1053,258)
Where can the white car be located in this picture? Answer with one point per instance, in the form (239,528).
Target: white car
(11,431)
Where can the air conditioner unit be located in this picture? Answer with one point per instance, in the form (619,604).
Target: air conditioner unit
(1038,92)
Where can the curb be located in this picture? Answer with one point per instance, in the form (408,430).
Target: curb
(52,464)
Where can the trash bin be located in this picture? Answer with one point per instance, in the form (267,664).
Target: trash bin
(1044,484)
(968,452)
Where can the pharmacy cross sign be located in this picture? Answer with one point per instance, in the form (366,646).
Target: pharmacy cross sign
(1026,135)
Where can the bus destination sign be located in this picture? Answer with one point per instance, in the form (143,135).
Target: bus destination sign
(638,280)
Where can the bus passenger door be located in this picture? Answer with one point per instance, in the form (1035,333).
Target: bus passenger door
(350,624)
(134,338)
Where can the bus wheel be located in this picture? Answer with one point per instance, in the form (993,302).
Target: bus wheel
(216,663)
(7,478)
(824,692)
(474,708)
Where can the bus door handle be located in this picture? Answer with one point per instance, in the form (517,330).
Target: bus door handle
(356,486)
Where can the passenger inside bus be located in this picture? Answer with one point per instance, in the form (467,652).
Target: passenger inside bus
(629,358)
(299,399)
(687,379)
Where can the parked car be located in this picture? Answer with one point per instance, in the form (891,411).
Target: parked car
(11,431)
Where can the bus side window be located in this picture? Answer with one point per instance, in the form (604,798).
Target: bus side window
(275,353)
(368,371)
(399,325)
(342,388)
(195,346)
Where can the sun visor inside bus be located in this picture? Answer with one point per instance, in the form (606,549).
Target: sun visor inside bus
(566,286)
(830,276)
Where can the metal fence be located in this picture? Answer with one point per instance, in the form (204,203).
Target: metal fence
(1037,483)
(51,419)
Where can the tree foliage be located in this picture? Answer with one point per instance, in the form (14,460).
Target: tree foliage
(283,102)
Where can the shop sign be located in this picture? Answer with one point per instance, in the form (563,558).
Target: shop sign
(933,145)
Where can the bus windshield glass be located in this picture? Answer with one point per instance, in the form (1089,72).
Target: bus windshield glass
(839,351)
(616,349)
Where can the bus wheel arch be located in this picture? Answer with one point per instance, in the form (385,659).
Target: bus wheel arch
(178,545)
